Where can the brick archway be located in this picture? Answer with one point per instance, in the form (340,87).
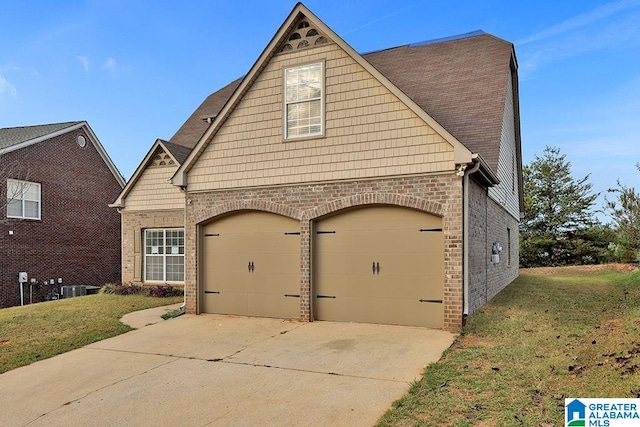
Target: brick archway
(364,199)
(255,205)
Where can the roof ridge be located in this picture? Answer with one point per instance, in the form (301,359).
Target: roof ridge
(72,123)
(467,35)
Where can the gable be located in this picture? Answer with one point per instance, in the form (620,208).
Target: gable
(150,186)
(369,132)
(460,153)
(152,189)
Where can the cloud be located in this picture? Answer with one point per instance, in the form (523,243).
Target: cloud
(110,65)
(85,62)
(581,20)
(7,90)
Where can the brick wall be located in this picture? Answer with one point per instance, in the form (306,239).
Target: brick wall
(78,236)
(133,223)
(439,195)
(488,223)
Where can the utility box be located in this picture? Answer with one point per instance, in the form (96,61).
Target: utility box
(73,291)
(23,277)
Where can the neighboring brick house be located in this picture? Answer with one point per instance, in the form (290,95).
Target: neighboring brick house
(329,185)
(56,222)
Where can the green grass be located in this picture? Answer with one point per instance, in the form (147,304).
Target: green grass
(553,333)
(39,331)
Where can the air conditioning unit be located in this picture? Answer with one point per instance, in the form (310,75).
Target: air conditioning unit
(73,291)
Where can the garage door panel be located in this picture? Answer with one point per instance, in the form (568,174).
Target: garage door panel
(410,261)
(226,303)
(273,305)
(382,310)
(252,259)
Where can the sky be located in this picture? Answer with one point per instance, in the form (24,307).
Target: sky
(136,69)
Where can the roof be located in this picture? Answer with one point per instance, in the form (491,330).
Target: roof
(192,129)
(16,138)
(16,135)
(461,82)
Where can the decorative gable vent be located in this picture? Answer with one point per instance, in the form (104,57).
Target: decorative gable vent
(302,36)
(162,158)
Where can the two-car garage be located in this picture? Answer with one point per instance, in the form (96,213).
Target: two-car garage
(375,264)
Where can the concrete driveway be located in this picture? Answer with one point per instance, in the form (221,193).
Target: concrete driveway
(225,371)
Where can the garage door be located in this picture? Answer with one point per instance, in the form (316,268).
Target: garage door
(380,265)
(251,265)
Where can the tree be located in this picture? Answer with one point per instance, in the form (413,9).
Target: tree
(625,213)
(557,212)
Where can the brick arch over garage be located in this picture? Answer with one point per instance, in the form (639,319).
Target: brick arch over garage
(255,205)
(364,199)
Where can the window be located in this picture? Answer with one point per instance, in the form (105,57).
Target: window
(23,199)
(164,255)
(303,101)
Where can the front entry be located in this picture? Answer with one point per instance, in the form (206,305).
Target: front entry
(250,265)
(380,264)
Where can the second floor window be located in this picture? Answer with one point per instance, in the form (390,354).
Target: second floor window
(303,101)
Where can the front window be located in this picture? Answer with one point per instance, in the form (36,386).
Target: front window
(164,255)
(23,199)
(303,101)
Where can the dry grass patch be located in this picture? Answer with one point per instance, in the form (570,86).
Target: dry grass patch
(569,332)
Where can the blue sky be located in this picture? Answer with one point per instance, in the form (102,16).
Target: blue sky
(136,69)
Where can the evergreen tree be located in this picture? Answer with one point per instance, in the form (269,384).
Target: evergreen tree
(625,213)
(557,212)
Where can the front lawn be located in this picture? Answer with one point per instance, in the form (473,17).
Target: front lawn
(552,334)
(39,331)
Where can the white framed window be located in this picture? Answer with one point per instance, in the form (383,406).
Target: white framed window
(303,101)
(23,199)
(164,255)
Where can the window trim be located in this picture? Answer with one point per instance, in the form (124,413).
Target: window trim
(285,124)
(163,255)
(22,185)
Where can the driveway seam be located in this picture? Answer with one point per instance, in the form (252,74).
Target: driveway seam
(102,388)
(256,365)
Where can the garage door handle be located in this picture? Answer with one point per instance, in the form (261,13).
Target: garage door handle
(251,266)
(375,267)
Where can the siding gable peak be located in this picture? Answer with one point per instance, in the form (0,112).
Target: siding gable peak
(289,27)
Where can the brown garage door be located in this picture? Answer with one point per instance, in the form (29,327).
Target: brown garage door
(251,265)
(380,264)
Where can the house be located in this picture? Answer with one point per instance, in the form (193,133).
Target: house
(330,185)
(56,224)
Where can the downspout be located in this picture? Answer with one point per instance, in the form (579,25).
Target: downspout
(465,239)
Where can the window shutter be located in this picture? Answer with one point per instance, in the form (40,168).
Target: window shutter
(137,255)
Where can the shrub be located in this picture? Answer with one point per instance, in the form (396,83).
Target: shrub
(156,291)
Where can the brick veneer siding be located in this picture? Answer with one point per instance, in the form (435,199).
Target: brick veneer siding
(133,223)
(488,223)
(78,236)
(440,195)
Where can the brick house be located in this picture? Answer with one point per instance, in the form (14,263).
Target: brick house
(56,223)
(330,185)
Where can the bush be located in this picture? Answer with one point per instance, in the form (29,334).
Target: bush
(156,291)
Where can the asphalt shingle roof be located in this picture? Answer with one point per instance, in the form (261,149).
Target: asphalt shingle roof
(16,135)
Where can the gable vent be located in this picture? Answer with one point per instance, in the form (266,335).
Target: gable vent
(162,158)
(302,36)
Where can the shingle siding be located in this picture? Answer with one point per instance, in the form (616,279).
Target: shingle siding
(78,236)
(369,132)
(506,192)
